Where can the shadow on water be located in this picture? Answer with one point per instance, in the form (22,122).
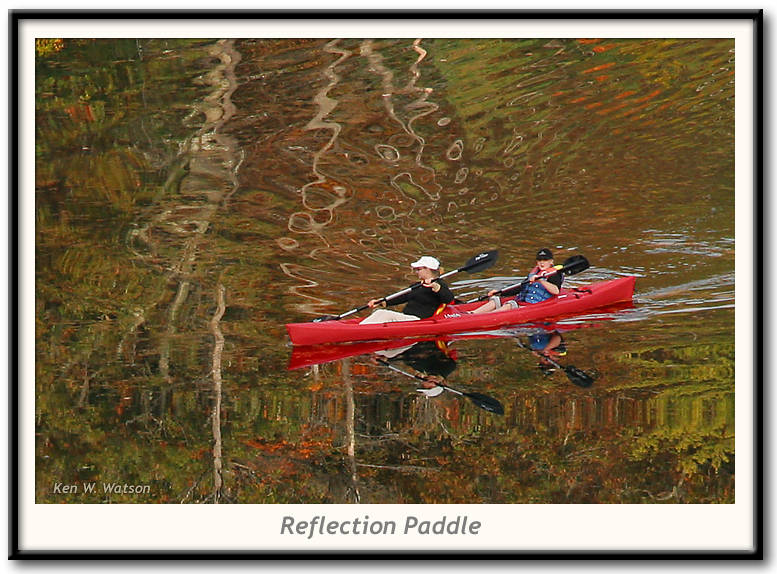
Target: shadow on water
(193,196)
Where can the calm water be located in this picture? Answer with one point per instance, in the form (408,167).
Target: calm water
(193,197)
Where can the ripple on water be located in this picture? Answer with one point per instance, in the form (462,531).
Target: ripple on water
(287,243)
(388,152)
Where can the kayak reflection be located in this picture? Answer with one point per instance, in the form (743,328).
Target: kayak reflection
(433,359)
(308,355)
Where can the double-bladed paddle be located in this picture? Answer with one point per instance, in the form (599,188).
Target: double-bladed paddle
(571,266)
(485,402)
(479,262)
(575,375)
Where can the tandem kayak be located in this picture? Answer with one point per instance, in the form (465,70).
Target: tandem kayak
(309,355)
(455,319)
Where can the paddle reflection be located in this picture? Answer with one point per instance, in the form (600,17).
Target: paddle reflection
(550,347)
(432,361)
(431,358)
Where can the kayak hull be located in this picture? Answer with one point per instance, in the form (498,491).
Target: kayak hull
(309,355)
(454,318)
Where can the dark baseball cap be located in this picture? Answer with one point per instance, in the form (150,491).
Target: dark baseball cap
(544,254)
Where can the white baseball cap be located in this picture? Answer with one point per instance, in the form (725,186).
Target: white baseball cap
(426,261)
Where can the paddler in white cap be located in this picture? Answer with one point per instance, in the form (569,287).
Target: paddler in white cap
(425,301)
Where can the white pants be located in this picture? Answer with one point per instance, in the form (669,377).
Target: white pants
(391,353)
(386,316)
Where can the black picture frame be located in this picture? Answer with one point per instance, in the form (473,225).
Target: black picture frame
(18,18)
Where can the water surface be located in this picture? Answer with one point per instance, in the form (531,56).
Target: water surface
(193,196)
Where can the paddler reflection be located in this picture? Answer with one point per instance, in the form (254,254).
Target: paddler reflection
(432,360)
(549,346)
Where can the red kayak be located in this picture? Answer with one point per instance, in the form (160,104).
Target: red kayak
(454,318)
(309,355)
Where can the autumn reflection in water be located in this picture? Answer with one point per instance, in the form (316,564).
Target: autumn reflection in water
(192,197)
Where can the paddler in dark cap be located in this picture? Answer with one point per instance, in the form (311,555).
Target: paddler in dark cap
(542,283)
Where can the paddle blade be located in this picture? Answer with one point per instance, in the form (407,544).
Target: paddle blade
(578,377)
(481,261)
(574,265)
(486,403)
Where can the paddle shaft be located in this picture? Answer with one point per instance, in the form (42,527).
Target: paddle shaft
(398,370)
(556,269)
(551,361)
(483,401)
(397,294)
(571,371)
(420,378)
